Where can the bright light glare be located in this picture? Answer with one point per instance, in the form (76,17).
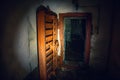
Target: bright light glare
(59,48)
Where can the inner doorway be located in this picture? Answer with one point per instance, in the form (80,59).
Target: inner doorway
(74,39)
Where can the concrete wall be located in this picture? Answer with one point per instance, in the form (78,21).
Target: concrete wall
(114,61)
(19,48)
(101,42)
(19,44)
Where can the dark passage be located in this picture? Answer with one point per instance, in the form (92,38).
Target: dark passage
(74,39)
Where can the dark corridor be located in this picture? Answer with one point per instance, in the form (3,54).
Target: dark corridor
(18,36)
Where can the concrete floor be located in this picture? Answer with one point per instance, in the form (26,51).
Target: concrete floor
(70,73)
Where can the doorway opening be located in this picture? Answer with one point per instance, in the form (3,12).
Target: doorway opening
(74,39)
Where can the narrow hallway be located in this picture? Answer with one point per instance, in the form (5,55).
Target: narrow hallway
(29,55)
